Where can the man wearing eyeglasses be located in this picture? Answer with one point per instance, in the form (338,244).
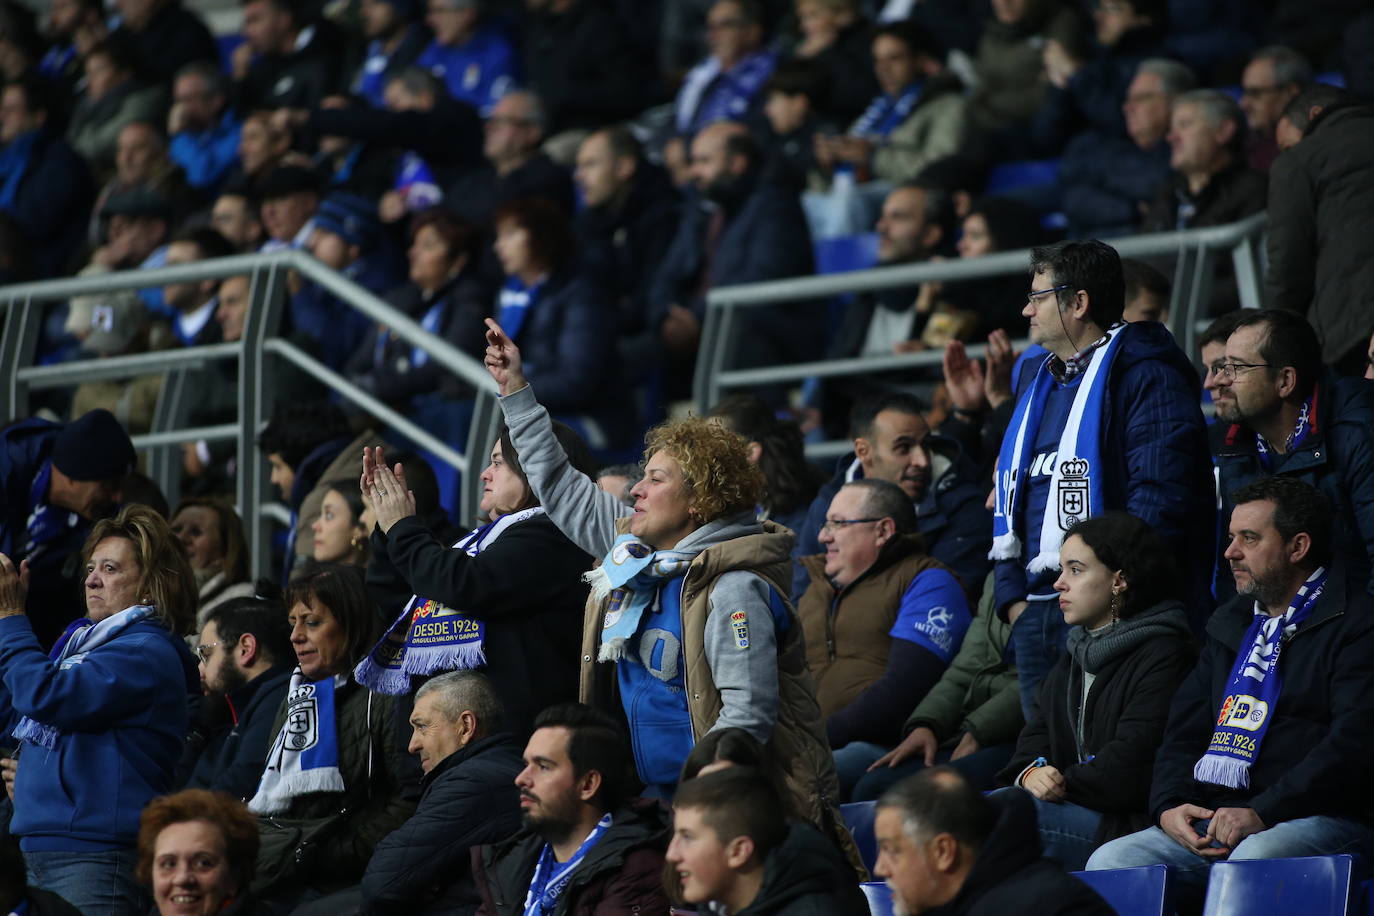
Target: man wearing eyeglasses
(1271,79)
(1284,414)
(245,667)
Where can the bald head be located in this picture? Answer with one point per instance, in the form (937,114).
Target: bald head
(722,154)
(139,152)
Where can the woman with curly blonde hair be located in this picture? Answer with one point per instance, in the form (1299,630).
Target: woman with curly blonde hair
(688,605)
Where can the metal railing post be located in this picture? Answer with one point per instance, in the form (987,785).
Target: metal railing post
(266,291)
(18,342)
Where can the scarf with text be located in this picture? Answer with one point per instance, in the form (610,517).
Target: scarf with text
(551,878)
(1306,426)
(304,757)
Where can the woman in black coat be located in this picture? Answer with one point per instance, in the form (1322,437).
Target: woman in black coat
(1087,752)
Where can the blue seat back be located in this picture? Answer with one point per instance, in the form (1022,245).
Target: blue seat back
(1143,891)
(1027,173)
(1313,886)
(858,817)
(846,252)
(879,897)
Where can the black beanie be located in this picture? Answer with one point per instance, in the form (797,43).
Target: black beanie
(93,447)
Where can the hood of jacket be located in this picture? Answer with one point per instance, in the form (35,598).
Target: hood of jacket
(1014,844)
(806,863)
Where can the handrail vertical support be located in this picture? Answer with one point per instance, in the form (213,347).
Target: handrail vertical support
(267,288)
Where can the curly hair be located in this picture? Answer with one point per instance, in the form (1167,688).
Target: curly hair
(715,464)
(218,809)
(165,577)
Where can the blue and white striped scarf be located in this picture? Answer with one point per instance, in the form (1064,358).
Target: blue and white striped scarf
(304,758)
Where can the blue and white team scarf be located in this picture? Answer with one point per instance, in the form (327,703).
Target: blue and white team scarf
(1076,483)
(1306,426)
(630,574)
(76,642)
(885,113)
(709,94)
(1253,691)
(551,878)
(47,522)
(429,637)
(304,758)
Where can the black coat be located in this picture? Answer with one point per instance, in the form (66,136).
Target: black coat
(1011,876)
(232,759)
(52,203)
(1123,723)
(477,193)
(1314,759)
(172,39)
(425,866)
(533,622)
(448,136)
(807,876)
(300,79)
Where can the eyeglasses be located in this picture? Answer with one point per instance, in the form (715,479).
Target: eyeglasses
(1229,371)
(1254,92)
(835,524)
(1037,293)
(203,650)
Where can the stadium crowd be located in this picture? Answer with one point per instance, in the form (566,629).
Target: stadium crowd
(1097,604)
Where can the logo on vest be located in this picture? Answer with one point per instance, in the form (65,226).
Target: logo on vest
(739,623)
(1074,505)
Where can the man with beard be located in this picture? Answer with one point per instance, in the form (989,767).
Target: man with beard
(1265,753)
(583,848)
(245,667)
(1283,413)
(741,229)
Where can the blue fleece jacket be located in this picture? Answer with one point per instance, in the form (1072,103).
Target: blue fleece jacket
(122,716)
(478,72)
(207,155)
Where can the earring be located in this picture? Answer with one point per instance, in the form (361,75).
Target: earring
(354,543)
(1116,607)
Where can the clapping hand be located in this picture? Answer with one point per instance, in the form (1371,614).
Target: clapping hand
(385,490)
(14,586)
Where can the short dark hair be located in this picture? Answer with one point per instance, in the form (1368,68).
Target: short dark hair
(1318,95)
(739,801)
(938,210)
(1138,277)
(209,243)
(1122,541)
(264,619)
(552,243)
(744,144)
(1088,265)
(622,142)
(733,744)
(919,40)
(800,77)
(1289,341)
(1298,507)
(340,590)
(941,800)
(1220,329)
(750,10)
(884,499)
(866,409)
(457,233)
(297,429)
(1290,67)
(790,478)
(596,742)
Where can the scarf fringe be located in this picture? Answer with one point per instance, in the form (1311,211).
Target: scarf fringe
(612,650)
(600,581)
(302,783)
(36,732)
(381,678)
(432,659)
(1043,563)
(1222,771)
(1005,547)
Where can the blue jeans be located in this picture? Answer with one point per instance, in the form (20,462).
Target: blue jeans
(98,883)
(1068,832)
(1306,836)
(1037,639)
(858,784)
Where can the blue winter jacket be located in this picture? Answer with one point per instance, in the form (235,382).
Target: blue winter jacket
(207,156)
(122,713)
(478,72)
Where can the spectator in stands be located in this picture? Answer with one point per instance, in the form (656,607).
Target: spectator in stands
(234,215)
(583,839)
(359,758)
(1271,79)
(747,667)
(619,479)
(1109,179)
(1211,184)
(163,37)
(793,97)
(343,527)
(727,84)
(1284,790)
(990,225)
(882,619)
(141,161)
(137,223)
(57,480)
(289,196)
(1212,350)
(1319,205)
(113,97)
(486,610)
(1147,292)
(104,731)
(394,40)
(893,442)
(245,667)
(286,60)
(515,166)
(1088,766)
(212,533)
(623,231)
(262,147)
(942,845)
(732,848)
(969,719)
(470,799)
(835,39)
(204,129)
(116,324)
(1143,454)
(1010,66)
(475,59)
(200,847)
(740,229)
(1286,415)
(48,188)
(776,446)
(234,298)
(72,28)
(194,304)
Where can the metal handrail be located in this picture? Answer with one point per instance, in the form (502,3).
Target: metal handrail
(267,273)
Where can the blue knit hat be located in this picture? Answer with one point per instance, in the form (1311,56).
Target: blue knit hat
(352,217)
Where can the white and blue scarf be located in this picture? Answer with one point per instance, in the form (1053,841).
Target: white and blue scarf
(47,522)
(1253,691)
(305,755)
(551,878)
(710,94)
(76,642)
(886,112)
(630,574)
(429,636)
(1076,483)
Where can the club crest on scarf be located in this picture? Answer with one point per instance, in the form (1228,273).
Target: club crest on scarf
(1075,500)
(302,718)
(628,578)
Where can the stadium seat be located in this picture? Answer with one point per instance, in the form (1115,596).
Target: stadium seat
(1143,891)
(846,252)
(858,817)
(879,897)
(1313,886)
(1332,78)
(1028,173)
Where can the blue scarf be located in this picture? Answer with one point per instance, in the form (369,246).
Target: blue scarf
(430,637)
(1253,691)
(14,163)
(551,878)
(304,757)
(416,183)
(630,574)
(47,522)
(1076,484)
(1306,426)
(886,112)
(515,304)
(76,642)
(709,94)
